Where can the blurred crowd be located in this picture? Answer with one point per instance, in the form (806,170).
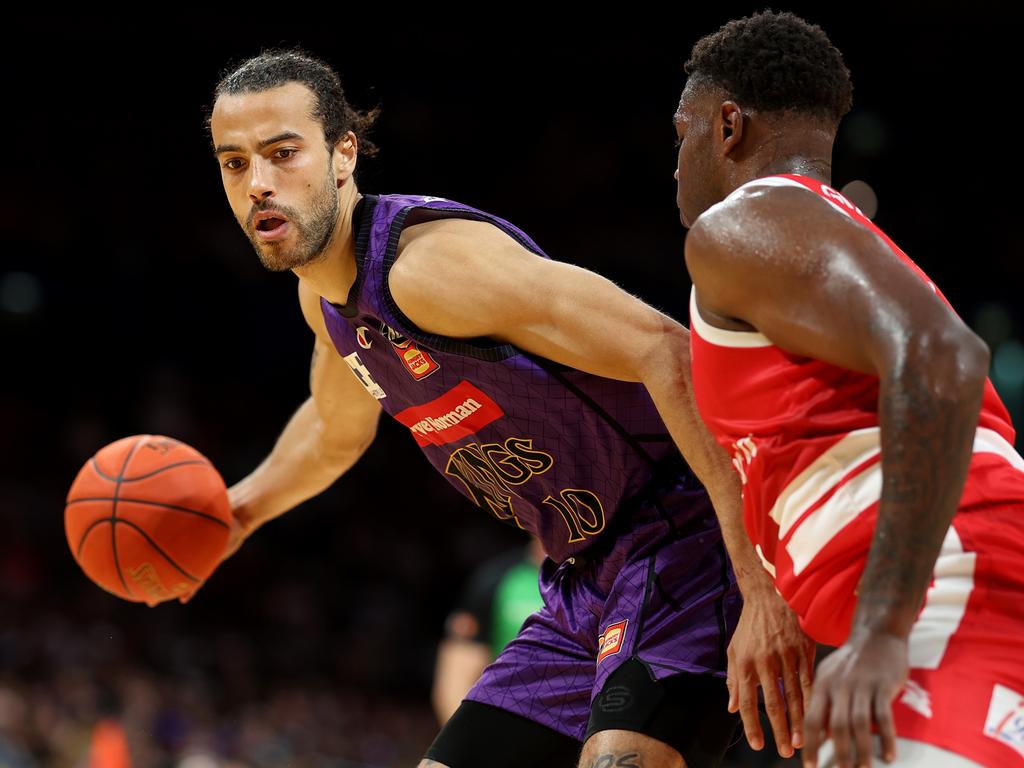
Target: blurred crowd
(82,693)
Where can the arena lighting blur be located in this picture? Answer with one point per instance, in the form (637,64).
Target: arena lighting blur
(1008,374)
(861,194)
(21,293)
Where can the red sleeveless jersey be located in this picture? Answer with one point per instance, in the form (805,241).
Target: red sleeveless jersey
(804,436)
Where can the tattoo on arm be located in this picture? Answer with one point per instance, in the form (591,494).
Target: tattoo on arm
(613,760)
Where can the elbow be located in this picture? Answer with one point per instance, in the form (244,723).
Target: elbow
(977,357)
(341,453)
(953,365)
(668,359)
(969,364)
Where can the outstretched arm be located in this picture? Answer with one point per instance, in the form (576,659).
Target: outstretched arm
(323,439)
(818,284)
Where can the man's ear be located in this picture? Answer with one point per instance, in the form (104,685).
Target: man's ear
(344,157)
(732,123)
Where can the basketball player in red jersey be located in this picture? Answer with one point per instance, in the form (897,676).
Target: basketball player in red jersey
(881,487)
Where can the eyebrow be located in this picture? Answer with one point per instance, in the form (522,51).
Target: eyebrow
(220,149)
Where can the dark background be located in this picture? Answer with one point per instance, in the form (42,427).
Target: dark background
(131,303)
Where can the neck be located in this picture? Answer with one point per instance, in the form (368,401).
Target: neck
(819,168)
(333,274)
(787,147)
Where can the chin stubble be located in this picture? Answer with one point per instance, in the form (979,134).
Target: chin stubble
(314,233)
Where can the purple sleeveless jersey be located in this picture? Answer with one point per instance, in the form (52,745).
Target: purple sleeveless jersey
(548,448)
(637,569)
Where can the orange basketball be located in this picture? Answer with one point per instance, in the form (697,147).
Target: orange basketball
(148,518)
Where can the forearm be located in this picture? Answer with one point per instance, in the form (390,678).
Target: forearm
(670,384)
(303,463)
(928,420)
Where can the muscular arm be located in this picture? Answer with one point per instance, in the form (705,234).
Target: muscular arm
(325,436)
(820,285)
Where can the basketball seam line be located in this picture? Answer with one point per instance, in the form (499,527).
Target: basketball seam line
(113,514)
(174,507)
(85,535)
(135,527)
(111,478)
(156,546)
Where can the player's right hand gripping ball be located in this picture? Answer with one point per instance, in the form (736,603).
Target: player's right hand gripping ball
(148,518)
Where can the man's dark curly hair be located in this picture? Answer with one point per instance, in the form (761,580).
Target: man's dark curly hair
(775,62)
(330,107)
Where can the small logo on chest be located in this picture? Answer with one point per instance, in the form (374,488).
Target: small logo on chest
(361,338)
(416,361)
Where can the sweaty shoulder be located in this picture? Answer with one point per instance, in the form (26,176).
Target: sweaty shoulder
(761,233)
(757,217)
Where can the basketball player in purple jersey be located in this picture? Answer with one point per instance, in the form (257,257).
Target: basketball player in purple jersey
(531,386)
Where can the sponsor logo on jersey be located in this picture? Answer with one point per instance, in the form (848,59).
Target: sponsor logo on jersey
(611,641)
(363,374)
(460,412)
(418,363)
(1005,720)
(362,338)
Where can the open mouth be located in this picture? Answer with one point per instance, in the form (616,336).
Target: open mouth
(270,226)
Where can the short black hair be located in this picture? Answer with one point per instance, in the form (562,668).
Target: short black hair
(775,62)
(274,68)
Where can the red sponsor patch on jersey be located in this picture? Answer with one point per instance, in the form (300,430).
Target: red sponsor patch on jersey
(418,363)
(460,412)
(611,641)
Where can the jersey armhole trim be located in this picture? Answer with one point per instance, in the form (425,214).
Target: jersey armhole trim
(479,349)
(719,336)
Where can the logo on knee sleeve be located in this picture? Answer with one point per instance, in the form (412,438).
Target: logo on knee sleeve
(1005,720)
(611,641)
(615,698)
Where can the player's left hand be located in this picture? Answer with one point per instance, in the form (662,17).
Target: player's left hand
(854,689)
(771,652)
